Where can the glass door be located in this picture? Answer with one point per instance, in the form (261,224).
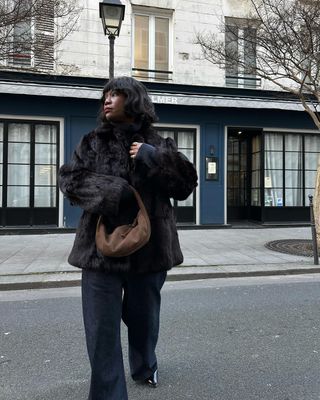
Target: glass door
(29,162)
(237,176)
(244,174)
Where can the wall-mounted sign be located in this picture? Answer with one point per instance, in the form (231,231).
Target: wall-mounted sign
(212,168)
(212,173)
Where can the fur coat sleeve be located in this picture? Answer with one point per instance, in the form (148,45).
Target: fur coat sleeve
(93,192)
(168,170)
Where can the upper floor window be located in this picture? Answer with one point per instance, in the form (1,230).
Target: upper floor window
(151,44)
(240,47)
(31,34)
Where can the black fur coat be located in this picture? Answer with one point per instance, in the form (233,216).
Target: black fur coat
(99,174)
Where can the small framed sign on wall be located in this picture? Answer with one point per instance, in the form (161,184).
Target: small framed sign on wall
(212,170)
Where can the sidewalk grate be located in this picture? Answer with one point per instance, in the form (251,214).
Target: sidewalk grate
(298,247)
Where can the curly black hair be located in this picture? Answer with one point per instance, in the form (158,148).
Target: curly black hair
(138,103)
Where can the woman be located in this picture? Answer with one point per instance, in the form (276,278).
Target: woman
(124,150)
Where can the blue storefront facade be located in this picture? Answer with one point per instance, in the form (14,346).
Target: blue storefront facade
(256,154)
(216,126)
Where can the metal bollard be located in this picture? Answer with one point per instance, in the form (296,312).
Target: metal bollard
(313,232)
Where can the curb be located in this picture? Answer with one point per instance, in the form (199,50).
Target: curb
(68,279)
(242,274)
(38,285)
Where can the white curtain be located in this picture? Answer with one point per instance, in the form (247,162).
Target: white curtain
(283,160)
(293,170)
(45,172)
(273,170)
(18,191)
(185,146)
(312,151)
(19,165)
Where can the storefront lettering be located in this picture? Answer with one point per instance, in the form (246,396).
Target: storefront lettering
(164,99)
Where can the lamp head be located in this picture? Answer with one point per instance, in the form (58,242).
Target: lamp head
(112,14)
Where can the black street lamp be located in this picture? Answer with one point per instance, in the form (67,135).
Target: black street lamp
(111,14)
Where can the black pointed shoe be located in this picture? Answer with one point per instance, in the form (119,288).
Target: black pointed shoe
(152,381)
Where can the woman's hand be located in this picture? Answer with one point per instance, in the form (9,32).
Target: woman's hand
(134,149)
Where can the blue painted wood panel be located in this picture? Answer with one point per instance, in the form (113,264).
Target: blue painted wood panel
(80,117)
(213,123)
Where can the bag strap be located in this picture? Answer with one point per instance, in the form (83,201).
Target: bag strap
(139,200)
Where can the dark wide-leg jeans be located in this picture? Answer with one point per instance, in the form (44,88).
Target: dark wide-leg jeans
(106,298)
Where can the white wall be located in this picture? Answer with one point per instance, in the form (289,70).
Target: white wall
(85,52)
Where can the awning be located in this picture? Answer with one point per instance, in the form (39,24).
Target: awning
(177,99)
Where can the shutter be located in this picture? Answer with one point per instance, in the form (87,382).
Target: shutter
(44,36)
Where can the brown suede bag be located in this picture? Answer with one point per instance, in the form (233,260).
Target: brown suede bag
(125,239)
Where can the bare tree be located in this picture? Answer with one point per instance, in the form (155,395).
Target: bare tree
(286,48)
(30,30)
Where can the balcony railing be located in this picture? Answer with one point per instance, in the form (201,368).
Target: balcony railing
(243,81)
(152,74)
(20,59)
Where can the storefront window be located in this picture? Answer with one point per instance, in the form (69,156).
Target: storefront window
(29,153)
(19,153)
(45,165)
(293,170)
(185,140)
(311,159)
(289,172)
(273,176)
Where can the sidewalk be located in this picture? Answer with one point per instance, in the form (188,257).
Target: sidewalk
(38,261)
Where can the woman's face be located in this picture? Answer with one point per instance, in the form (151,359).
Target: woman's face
(113,107)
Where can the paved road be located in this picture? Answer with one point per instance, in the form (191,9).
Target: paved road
(225,339)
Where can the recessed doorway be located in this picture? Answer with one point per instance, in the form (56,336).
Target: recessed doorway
(244,174)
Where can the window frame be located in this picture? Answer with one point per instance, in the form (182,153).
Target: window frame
(23,54)
(240,78)
(152,14)
(35,55)
(303,170)
(32,214)
(181,209)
